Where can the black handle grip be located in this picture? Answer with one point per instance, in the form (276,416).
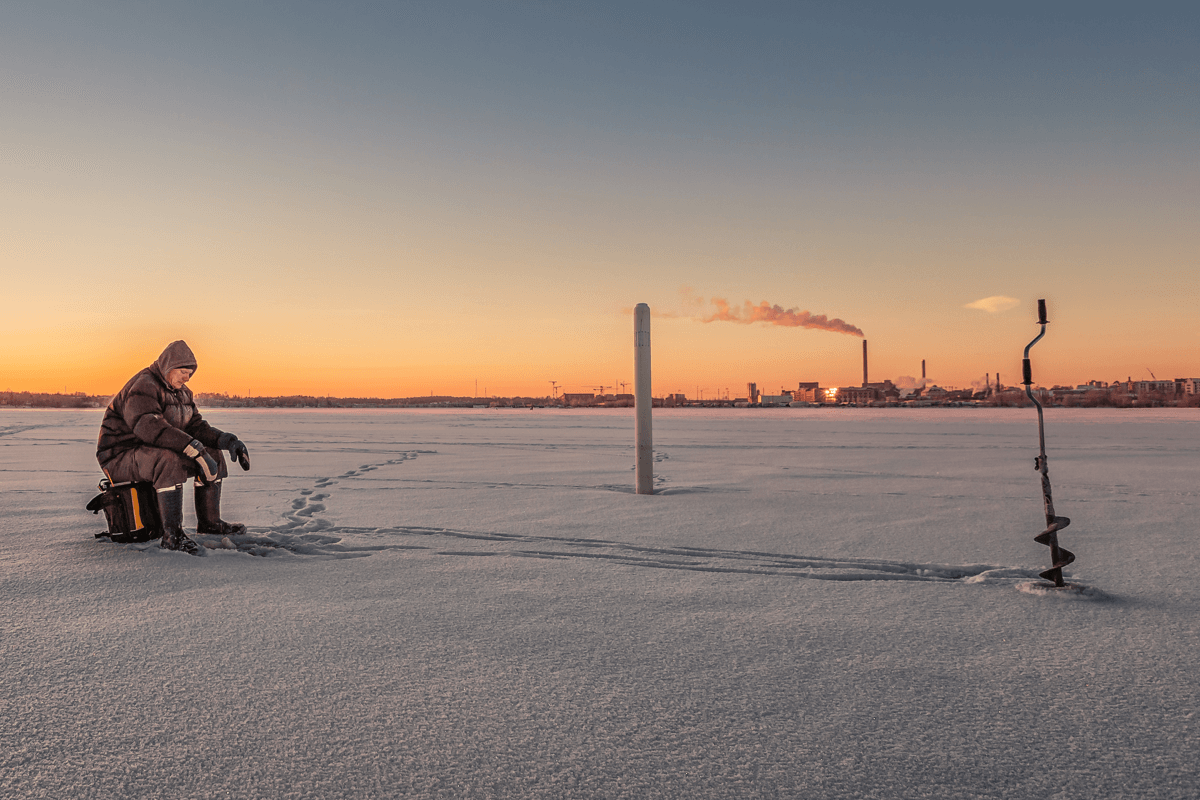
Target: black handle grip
(1042,312)
(1028,370)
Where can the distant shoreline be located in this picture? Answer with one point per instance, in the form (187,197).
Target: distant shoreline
(79,401)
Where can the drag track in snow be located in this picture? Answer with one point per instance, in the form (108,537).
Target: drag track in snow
(307,534)
(359,542)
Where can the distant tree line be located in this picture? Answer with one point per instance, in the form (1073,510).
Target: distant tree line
(214,400)
(47,400)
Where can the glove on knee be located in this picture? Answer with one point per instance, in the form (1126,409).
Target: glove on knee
(208,465)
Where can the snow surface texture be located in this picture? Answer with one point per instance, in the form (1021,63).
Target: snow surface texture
(473,604)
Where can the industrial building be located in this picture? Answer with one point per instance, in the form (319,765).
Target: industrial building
(810,392)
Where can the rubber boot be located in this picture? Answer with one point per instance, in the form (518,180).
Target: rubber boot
(170,508)
(208,512)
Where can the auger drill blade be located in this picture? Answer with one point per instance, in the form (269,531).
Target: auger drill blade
(1054,575)
(1045,536)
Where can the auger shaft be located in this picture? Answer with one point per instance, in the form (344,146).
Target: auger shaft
(1059,557)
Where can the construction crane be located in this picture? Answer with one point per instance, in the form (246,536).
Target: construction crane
(554,388)
(1151,374)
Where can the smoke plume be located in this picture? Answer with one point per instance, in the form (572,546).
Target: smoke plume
(905,382)
(777,315)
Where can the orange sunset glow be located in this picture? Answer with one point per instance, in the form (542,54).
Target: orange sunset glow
(382,208)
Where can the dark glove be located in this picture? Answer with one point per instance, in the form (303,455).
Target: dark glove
(208,465)
(237,450)
(239,453)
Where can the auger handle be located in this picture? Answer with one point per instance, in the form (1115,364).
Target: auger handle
(1026,369)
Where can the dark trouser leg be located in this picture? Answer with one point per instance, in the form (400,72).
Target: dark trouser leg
(170,508)
(208,511)
(159,466)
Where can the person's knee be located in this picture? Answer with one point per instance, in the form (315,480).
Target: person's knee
(171,468)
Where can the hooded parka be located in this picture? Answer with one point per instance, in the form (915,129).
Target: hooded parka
(148,413)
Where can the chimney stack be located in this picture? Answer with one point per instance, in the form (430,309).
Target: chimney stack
(864,363)
(922,369)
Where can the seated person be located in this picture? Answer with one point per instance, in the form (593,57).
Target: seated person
(153,432)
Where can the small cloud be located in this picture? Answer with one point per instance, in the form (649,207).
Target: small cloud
(994,304)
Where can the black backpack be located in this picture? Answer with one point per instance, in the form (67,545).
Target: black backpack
(131,509)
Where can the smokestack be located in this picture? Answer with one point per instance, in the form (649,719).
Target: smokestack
(922,369)
(864,363)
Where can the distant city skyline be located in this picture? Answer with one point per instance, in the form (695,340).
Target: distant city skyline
(367,199)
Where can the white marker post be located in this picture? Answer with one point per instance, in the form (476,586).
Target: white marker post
(641,398)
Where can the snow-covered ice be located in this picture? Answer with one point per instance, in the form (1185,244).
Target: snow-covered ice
(815,603)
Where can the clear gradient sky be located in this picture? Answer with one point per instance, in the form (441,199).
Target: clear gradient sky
(400,198)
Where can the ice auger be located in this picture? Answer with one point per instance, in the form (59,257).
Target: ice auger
(1059,556)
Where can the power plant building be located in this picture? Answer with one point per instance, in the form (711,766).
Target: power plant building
(859,395)
(809,393)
